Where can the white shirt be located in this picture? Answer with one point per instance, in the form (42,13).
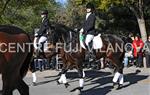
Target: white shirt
(87,15)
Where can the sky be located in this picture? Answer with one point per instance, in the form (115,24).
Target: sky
(61,1)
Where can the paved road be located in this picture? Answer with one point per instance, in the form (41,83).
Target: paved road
(137,82)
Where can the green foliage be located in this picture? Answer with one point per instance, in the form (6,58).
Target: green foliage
(71,15)
(119,16)
(113,16)
(26,13)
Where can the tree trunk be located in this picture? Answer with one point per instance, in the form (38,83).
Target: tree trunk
(142,27)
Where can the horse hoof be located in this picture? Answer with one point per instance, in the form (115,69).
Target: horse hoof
(115,85)
(78,92)
(80,88)
(119,86)
(58,83)
(34,84)
(67,84)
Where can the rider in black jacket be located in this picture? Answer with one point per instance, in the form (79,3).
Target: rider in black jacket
(88,28)
(45,23)
(42,33)
(89,22)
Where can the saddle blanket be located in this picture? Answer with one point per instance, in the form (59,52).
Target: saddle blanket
(97,42)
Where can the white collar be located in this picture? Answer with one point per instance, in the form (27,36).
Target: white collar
(87,15)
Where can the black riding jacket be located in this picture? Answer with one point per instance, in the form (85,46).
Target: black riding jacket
(89,24)
(44,27)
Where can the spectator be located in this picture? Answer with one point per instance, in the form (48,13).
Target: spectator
(137,47)
(129,53)
(147,51)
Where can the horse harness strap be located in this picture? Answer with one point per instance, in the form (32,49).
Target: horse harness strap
(70,33)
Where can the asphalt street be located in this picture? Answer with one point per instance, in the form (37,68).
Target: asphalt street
(137,82)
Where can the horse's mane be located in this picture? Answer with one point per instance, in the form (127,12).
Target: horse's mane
(11,29)
(63,31)
(105,36)
(63,26)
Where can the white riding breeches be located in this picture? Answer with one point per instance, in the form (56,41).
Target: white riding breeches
(42,39)
(38,45)
(88,39)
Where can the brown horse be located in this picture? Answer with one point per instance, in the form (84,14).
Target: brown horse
(39,54)
(75,59)
(15,56)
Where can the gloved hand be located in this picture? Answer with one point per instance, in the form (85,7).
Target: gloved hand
(81,31)
(36,35)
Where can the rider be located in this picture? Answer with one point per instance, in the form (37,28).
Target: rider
(88,28)
(43,29)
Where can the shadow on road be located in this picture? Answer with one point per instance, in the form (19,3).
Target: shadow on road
(45,82)
(102,89)
(101,79)
(134,78)
(51,76)
(0,92)
(89,75)
(97,91)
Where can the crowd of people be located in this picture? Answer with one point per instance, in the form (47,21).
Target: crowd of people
(139,50)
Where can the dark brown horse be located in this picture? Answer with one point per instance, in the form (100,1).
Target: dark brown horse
(15,56)
(39,54)
(75,59)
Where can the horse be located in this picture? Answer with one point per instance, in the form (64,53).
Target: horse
(73,59)
(15,56)
(40,56)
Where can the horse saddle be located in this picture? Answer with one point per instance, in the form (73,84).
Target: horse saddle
(96,42)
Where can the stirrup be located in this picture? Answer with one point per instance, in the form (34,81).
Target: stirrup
(92,55)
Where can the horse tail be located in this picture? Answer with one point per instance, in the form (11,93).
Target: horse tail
(26,63)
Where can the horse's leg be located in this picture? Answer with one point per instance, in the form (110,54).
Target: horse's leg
(34,78)
(121,77)
(8,83)
(33,70)
(118,74)
(81,78)
(63,78)
(6,89)
(22,87)
(7,76)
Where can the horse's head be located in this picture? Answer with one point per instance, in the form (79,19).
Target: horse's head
(62,34)
(58,33)
(52,35)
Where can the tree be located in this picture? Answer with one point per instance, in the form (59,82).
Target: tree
(71,14)
(25,13)
(137,7)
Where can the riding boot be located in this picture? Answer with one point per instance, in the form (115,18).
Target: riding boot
(92,52)
(42,50)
